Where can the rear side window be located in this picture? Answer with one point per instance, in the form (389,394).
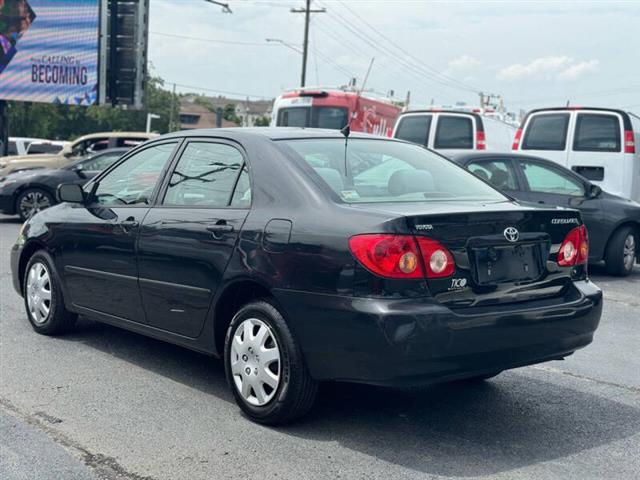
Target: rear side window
(454,132)
(597,133)
(546,132)
(498,173)
(205,175)
(415,129)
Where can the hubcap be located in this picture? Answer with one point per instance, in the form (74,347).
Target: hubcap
(32,203)
(629,252)
(255,362)
(39,292)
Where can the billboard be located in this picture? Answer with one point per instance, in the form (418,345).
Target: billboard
(49,51)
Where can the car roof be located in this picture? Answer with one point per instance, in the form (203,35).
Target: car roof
(271,133)
(116,135)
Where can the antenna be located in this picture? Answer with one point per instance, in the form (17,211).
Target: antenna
(346,130)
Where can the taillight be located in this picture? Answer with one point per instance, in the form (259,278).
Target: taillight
(391,256)
(516,140)
(438,261)
(402,256)
(575,248)
(629,142)
(480,140)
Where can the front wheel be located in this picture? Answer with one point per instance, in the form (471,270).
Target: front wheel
(31,201)
(621,253)
(265,368)
(43,297)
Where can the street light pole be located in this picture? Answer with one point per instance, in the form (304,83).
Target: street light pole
(305,46)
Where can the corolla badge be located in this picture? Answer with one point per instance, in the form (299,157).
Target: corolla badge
(511,234)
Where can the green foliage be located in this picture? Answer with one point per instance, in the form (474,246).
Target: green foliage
(66,122)
(229,113)
(262,121)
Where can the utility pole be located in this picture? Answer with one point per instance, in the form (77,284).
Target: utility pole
(173,106)
(305,45)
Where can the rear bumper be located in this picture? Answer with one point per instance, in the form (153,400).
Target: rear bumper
(7,204)
(417,341)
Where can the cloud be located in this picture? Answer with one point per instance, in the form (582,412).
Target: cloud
(464,62)
(554,67)
(577,69)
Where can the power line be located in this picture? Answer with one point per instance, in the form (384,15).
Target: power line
(224,92)
(211,40)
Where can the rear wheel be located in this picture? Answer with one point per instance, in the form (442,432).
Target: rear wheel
(265,368)
(31,201)
(621,253)
(43,297)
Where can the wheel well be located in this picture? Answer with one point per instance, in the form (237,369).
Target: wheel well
(233,297)
(636,230)
(27,252)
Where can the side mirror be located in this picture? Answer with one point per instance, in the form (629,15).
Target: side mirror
(71,193)
(594,191)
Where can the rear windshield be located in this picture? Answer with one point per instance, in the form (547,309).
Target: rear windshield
(414,128)
(317,117)
(546,132)
(597,133)
(381,171)
(454,132)
(36,148)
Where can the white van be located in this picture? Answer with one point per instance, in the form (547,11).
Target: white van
(451,131)
(598,143)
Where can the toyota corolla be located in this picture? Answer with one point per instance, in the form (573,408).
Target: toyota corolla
(300,256)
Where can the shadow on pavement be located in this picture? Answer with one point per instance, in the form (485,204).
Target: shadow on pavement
(458,429)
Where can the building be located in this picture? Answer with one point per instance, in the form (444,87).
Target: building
(199,111)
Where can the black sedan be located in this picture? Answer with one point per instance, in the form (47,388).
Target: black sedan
(613,222)
(301,256)
(26,192)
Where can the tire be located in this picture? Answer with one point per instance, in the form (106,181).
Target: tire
(31,201)
(621,253)
(43,297)
(260,397)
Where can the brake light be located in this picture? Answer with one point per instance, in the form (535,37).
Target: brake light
(390,256)
(516,140)
(480,140)
(402,256)
(629,142)
(438,261)
(575,248)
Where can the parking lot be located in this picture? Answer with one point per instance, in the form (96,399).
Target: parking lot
(106,403)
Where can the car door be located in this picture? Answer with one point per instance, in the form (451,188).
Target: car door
(499,172)
(99,256)
(547,184)
(188,238)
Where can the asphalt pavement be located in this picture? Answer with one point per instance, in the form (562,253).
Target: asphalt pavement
(109,404)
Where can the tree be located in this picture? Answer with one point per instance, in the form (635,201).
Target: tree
(229,113)
(66,122)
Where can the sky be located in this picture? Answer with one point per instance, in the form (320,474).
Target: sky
(534,54)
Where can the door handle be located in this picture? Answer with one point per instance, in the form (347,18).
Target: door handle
(129,224)
(221,226)
(541,201)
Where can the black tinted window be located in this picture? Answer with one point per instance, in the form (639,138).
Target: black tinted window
(454,132)
(497,172)
(293,117)
(597,133)
(329,117)
(546,132)
(205,175)
(414,129)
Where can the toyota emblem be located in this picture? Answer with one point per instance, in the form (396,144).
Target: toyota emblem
(511,234)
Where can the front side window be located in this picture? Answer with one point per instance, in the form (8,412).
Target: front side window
(546,132)
(454,132)
(205,175)
(414,129)
(543,179)
(132,182)
(597,133)
(497,172)
(101,162)
(377,171)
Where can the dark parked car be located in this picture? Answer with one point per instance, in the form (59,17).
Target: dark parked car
(26,192)
(613,222)
(301,256)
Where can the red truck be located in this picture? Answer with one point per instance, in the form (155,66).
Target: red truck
(334,108)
